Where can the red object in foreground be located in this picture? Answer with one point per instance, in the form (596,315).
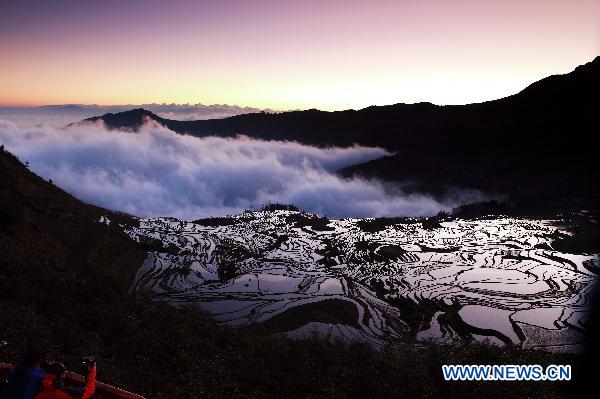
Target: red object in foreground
(103,391)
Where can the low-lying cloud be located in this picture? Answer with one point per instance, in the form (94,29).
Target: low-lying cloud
(157,172)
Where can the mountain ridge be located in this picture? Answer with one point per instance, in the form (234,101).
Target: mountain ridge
(589,67)
(534,145)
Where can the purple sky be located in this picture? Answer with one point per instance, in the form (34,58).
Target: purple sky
(287,54)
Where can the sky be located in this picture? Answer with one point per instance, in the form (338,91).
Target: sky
(327,54)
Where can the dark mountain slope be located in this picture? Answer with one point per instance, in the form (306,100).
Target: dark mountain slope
(48,231)
(537,144)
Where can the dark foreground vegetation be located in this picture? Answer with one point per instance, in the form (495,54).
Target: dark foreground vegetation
(64,286)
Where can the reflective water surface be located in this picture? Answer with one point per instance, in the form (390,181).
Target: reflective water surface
(490,279)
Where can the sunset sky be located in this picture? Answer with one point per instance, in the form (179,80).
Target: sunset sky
(327,54)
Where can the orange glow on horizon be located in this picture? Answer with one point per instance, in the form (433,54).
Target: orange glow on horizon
(329,55)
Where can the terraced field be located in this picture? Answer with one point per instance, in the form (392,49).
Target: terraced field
(496,279)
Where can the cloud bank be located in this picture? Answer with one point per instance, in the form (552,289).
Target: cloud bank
(159,173)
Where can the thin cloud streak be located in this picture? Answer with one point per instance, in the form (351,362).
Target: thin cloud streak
(64,114)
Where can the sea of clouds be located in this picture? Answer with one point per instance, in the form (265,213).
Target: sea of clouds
(157,172)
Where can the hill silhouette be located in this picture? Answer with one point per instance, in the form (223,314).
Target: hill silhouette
(128,120)
(538,144)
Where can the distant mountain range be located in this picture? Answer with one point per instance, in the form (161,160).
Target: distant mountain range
(535,146)
(75,112)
